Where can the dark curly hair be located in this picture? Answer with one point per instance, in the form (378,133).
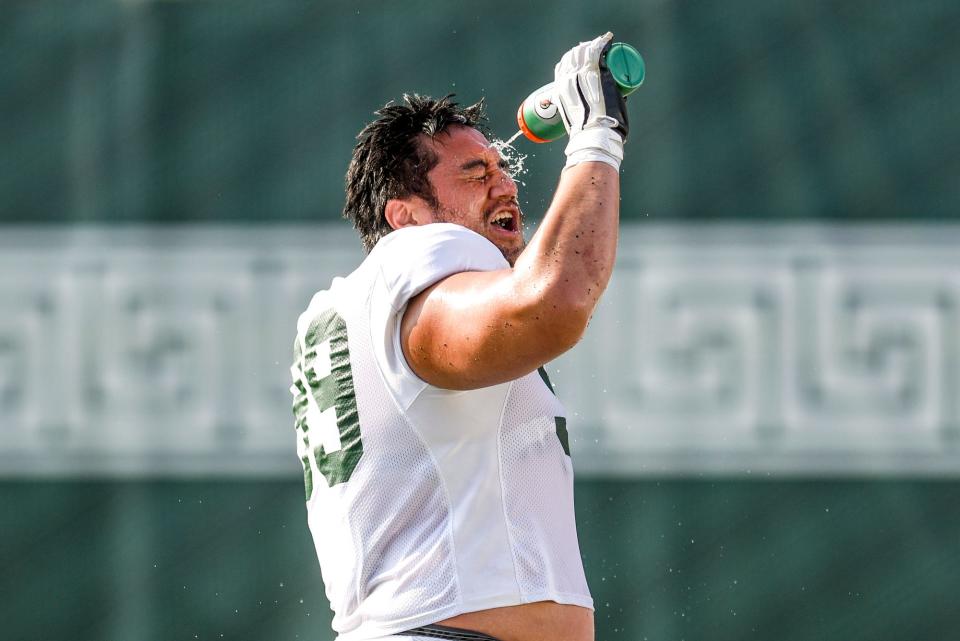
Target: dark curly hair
(389,161)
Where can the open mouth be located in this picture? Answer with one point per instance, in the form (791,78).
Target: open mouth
(506,219)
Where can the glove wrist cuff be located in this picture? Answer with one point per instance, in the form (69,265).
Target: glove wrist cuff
(595,144)
(592,155)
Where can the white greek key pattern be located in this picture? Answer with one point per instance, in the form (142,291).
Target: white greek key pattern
(722,349)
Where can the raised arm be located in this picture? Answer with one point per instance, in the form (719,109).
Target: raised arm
(476,329)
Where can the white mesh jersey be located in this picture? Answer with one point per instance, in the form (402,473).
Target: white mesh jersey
(425,503)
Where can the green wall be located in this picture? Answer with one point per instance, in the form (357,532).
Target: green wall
(753,110)
(666,560)
(246,111)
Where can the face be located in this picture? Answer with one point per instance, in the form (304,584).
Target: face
(474,189)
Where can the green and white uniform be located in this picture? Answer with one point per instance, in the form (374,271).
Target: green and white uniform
(425,503)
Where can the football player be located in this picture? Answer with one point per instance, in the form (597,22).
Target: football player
(436,456)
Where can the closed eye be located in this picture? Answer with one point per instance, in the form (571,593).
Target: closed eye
(503,165)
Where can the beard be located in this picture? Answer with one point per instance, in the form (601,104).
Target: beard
(513,253)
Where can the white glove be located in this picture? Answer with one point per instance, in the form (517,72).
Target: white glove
(592,109)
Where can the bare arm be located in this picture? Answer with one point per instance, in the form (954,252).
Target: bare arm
(477,329)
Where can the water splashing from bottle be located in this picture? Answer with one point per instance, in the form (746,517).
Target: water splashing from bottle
(508,152)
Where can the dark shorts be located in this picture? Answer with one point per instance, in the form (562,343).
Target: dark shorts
(435,631)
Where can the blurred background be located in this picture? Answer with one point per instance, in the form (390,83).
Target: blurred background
(764,415)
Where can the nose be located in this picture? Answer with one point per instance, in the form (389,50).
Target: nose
(506,186)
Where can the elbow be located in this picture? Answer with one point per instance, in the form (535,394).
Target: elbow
(569,313)
(576,315)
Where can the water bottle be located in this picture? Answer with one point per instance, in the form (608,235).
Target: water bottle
(539,118)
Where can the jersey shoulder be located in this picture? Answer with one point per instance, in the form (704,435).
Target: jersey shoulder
(413,258)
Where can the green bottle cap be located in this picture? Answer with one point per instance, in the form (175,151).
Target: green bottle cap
(626,66)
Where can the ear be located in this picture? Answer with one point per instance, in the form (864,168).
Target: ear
(403,213)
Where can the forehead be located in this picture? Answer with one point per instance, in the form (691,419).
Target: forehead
(459,145)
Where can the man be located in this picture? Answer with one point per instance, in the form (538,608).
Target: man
(436,458)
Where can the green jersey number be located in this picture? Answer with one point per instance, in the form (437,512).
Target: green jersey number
(325,402)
